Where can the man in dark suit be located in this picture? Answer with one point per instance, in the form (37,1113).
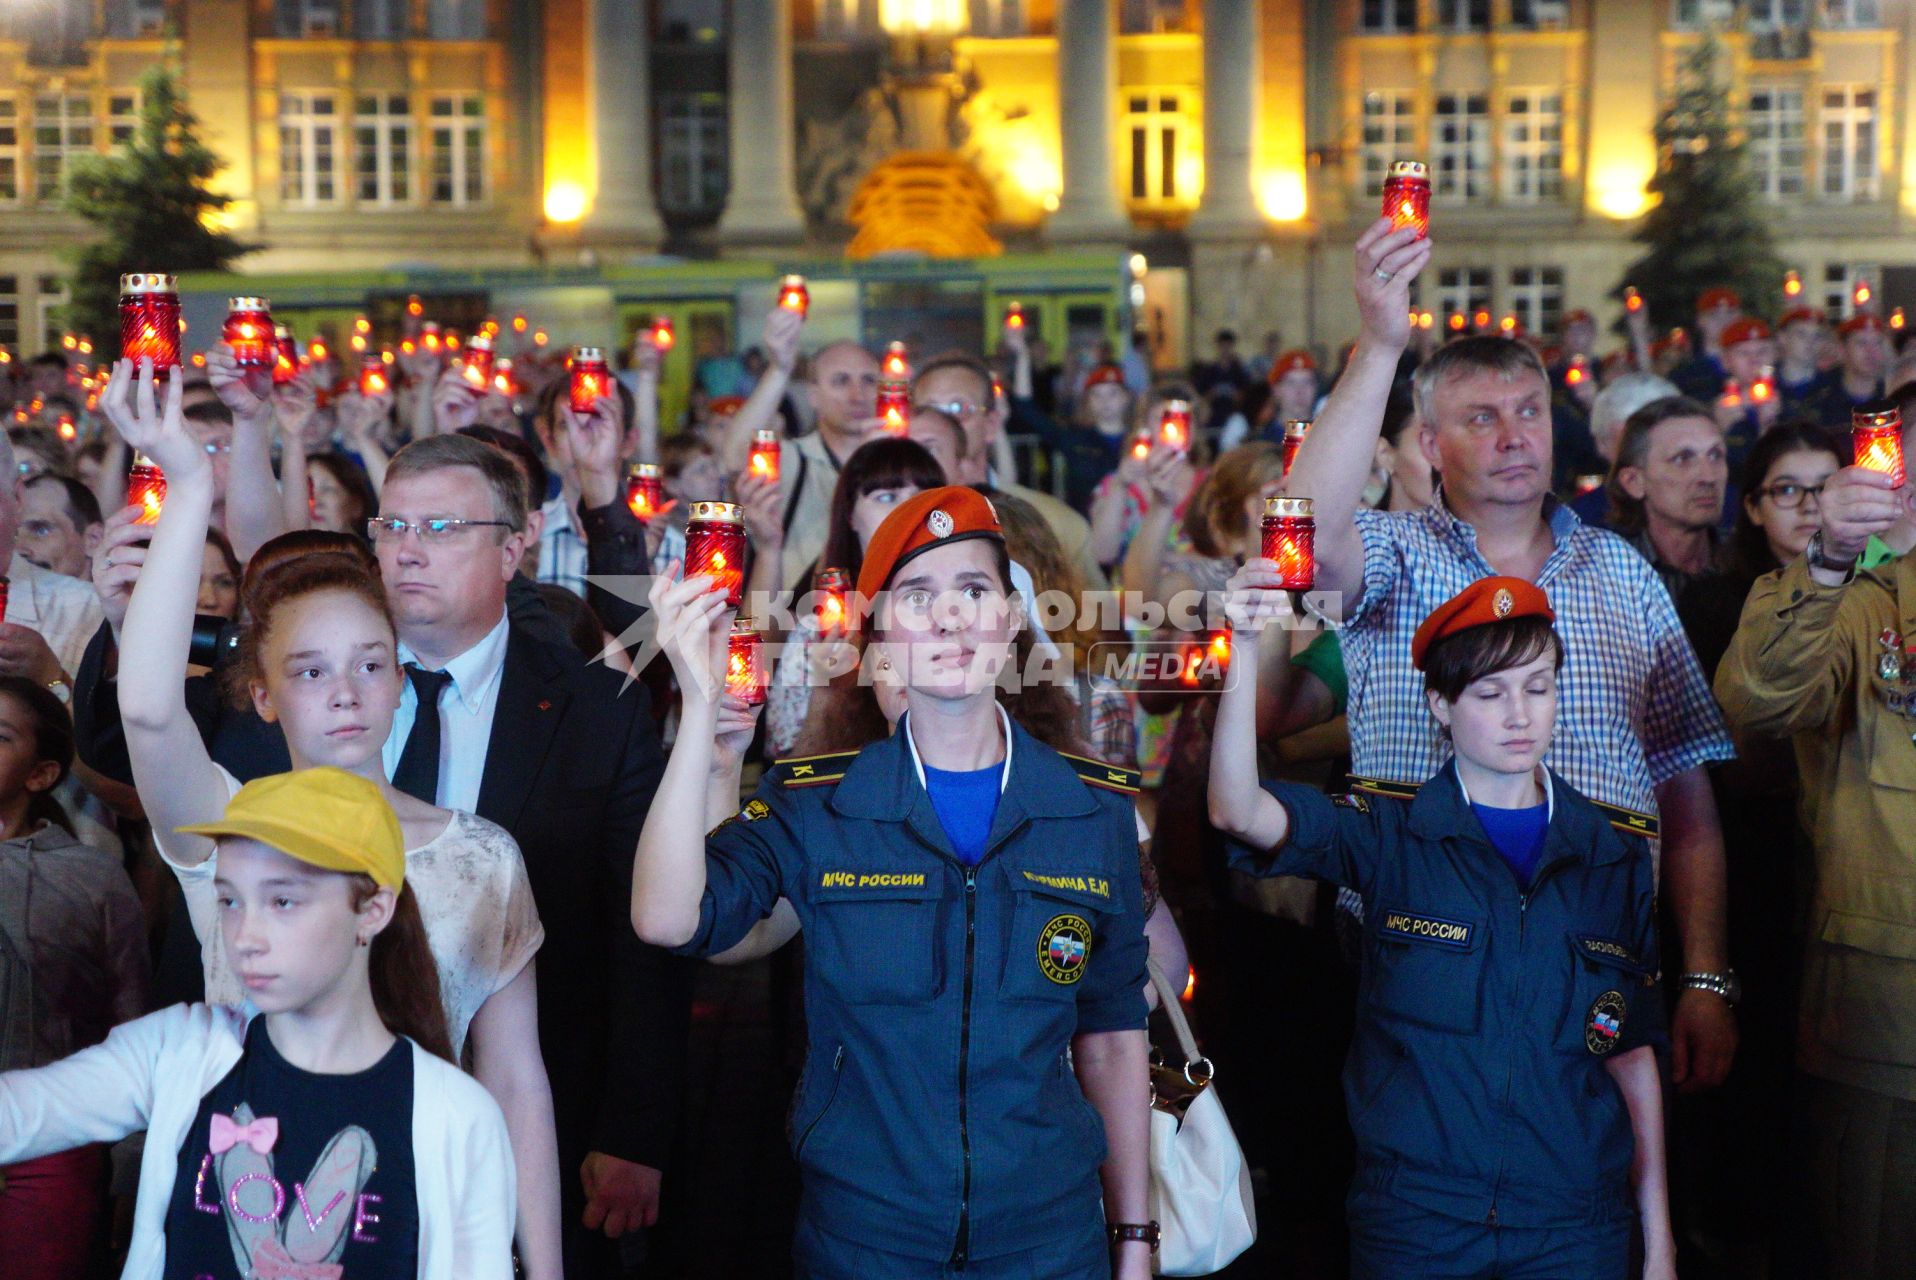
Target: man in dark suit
(561,755)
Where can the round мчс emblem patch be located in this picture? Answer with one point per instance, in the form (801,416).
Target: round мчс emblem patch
(939,522)
(1064,945)
(1603,1025)
(1503,602)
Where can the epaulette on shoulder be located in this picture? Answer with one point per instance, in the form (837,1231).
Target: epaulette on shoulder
(812,771)
(1109,776)
(1628,821)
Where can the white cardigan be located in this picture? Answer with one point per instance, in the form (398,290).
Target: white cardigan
(153,1073)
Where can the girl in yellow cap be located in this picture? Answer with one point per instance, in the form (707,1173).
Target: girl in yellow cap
(319,1131)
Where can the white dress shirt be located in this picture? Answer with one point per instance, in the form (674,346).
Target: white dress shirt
(466,705)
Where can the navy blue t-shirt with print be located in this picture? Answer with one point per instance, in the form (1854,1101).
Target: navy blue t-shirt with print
(290,1175)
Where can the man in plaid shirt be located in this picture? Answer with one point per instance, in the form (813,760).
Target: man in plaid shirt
(1637,723)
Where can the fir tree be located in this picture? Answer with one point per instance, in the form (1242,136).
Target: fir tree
(1707,227)
(151,209)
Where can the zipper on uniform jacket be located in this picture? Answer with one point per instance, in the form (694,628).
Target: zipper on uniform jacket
(962,1245)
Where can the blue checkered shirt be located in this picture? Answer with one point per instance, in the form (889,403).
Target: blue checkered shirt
(1633,707)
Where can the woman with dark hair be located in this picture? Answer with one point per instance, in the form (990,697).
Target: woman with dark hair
(219,578)
(976,1089)
(319,657)
(342,497)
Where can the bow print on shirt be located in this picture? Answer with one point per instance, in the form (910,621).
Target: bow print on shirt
(282,1233)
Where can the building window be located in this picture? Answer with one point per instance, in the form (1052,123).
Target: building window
(1539,13)
(1778,145)
(1390,133)
(1695,15)
(1149,17)
(454,19)
(1464,15)
(997,17)
(693,152)
(1157,128)
(1852,13)
(54,297)
(1839,282)
(1461,291)
(62,128)
(149,17)
(1536,298)
(1461,146)
(1533,147)
(297,19)
(1849,142)
(9,151)
(9,311)
(380,19)
(122,117)
(459,149)
(843,19)
(1387,15)
(382,149)
(308,149)
(1770,15)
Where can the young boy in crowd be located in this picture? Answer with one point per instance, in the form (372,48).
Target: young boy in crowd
(1502,1084)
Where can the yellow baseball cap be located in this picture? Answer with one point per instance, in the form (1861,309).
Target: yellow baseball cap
(325,817)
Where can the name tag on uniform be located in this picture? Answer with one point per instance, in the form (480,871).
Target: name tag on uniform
(1093,885)
(1422,928)
(871,880)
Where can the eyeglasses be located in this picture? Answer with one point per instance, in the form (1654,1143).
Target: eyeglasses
(1789,496)
(215,448)
(432,529)
(956,408)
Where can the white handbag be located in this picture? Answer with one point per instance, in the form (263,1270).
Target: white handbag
(1200,1185)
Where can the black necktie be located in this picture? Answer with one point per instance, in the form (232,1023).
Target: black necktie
(418,771)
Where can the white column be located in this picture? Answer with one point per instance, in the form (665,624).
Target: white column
(623,208)
(761,203)
(1230,117)
(1088,208)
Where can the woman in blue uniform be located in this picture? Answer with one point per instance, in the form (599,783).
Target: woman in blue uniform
(1502,1082)
(975,1093)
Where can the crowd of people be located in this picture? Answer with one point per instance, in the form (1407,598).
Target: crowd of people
(1537,878)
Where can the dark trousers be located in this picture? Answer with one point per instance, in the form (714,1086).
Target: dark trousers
(819,1255)
(1392,1240)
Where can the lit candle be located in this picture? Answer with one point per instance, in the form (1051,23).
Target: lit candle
(1587,484)
(744,673)
(1174,426)
(286,359)
(894,406)
(1860,295)
(249,332)
(1290,539)
(661,333)
(590,378)
(1897,319)
(1632,300)
(150,320)
(373,378)
(1878,436)
(146,489)
(1792,284)
(1578,371)
(519,324)
(415,307)
(316,350)
(644,490)
(1763,389)
(1457,321)
(1294,433)
(66,428)
(1141,445)
(1212,657)
(1481,320)
(831,589)
(895,365)
(1407,196)
(793,295)
(430,337)
(763,461)
(502,376)
(479,361)
(361,325)
(715,547)
(1732,397)
(1014,315)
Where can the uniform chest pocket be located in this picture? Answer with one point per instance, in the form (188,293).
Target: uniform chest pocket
(1427,969)
(1053,931)
(1609,987)
(875,935)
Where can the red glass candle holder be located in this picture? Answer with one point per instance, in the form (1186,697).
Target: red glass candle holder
(1578,372)
(1212,657)
(1732,397)
(66,428)
(146,489)
(744,672)
(1014,315)
(248,331)
(895,364)
(1290,539)
(831,600)
(1632,300)
(1407,196)
(3,597)
(715,547)
(373,378)
(763,461)
(661,333)
(150,320)
(1141,445)
(1763,389)
(1878,435)
(894,406)
(286,356)
(479,361)
(1174,425)
(590,378)
(644,490)
(431,337)
(1294,433)
(793,295)
(502,377)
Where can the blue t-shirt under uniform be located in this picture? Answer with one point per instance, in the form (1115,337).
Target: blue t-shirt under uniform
(1517,835)
(966,802)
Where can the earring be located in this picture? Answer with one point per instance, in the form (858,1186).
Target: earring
(363,940)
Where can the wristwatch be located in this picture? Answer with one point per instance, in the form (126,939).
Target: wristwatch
(1123,1231)
(1819,560)
(1725,984)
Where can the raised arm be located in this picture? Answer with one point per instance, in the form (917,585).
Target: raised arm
(176,778)
(254,514)
(1238,806)
(1335,461)
(782,331)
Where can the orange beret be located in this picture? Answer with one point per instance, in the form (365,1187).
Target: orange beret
(1103,373)
(1796,315)
(1711,299)
(1748,329)
(1290,362)
(724,406)
(1483,602)
(926,520)
(1861,322)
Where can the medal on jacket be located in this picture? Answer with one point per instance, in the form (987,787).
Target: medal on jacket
(1890,665)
